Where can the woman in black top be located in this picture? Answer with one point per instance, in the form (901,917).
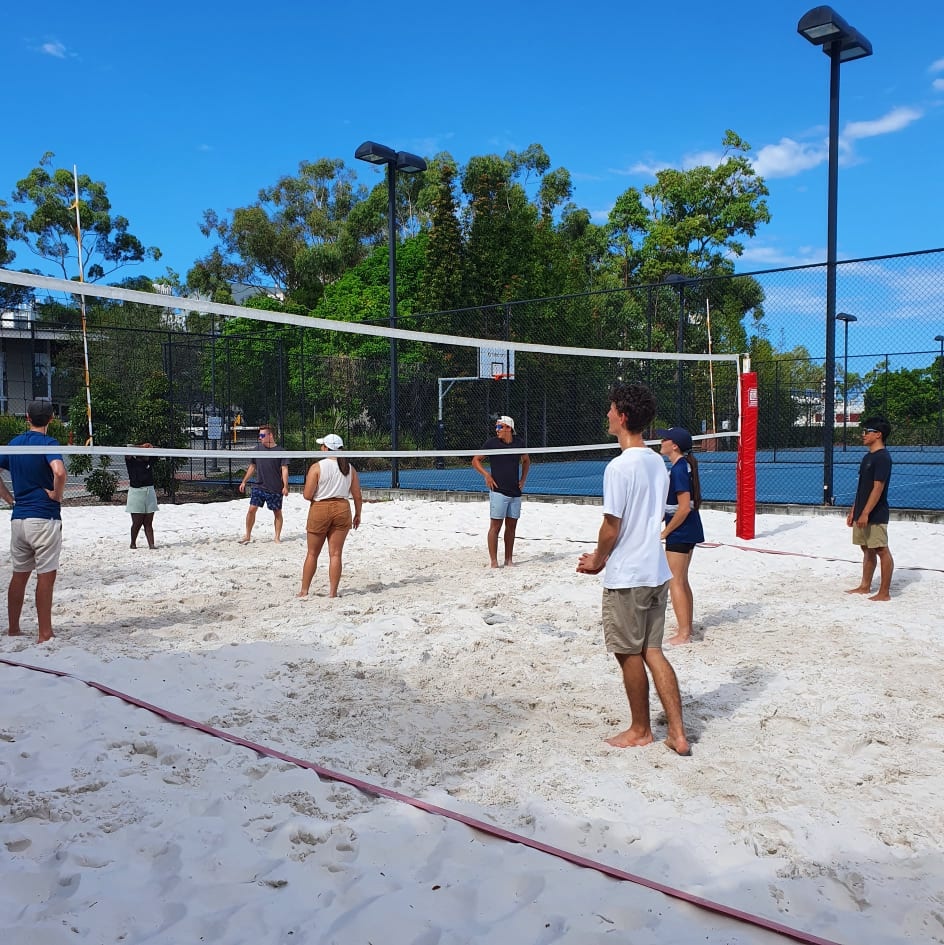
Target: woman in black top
(142,499)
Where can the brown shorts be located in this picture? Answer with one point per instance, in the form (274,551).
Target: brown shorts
(872,536)
(328,516)
(634,618)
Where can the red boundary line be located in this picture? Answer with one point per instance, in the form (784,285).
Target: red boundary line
(803,554)
(378,791)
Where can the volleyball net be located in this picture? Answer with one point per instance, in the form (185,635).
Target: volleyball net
(198,378)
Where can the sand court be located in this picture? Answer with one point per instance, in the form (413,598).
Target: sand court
(811,797)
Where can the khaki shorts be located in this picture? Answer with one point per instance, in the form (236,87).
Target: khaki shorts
(634,618)
(872,536)
(35,544)
(329,515)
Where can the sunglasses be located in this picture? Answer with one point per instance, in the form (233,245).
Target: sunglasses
(262,436)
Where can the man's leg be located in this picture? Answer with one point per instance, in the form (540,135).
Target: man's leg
(666,683)
(250,521)
(44,585)
(636,684)
(278,526)
(869,560)
(494,527)
(884,555)
(511,526)
(15,594)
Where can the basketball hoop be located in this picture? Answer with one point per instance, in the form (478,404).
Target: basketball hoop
(503,377)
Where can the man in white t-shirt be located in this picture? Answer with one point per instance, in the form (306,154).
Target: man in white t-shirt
(635,583)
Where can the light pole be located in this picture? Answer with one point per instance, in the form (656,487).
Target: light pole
(674,279)
(406,163)
(940,392)
(823,26)
(845,318)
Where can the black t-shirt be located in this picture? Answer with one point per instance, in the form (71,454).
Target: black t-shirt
(875,467)
(504,467)
(140,472)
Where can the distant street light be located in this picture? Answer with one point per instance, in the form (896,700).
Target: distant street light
(845,317)
(940,392)
(406,163)
(822,26)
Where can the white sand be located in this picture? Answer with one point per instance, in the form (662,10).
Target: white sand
(813,797)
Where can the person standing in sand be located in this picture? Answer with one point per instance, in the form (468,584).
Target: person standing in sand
(505,486)
(142,499)
(683,529)
(271,486)
(868,517)
(636,580)
(39,482)
(328,485)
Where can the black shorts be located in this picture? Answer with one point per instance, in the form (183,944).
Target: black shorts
(680,547)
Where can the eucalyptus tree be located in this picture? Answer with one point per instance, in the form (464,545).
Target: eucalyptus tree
(45,220)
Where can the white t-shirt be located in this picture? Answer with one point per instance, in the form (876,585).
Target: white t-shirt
(635,487)
(332,484)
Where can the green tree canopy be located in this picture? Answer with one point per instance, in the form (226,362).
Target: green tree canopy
(46,222)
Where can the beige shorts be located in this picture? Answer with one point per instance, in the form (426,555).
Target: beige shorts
(872,536)
(329,515)
(634,618)
(35,544)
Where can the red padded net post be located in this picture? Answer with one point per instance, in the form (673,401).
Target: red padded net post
(747,458)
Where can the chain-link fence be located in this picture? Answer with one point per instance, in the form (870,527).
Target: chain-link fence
(223,382)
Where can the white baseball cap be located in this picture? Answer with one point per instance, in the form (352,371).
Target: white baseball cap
(507,421)
(332,441)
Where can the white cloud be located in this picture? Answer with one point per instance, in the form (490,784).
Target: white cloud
(787,157)
(937,66)
(55,48)
(771,256)
(649,168)
(702,159)
(896,120)
(938,85)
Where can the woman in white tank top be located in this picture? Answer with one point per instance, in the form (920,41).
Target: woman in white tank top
(328,486)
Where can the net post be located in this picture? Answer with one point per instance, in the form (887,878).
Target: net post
(746,485)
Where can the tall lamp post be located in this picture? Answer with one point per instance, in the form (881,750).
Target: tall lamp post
(405,163)
(940,391)
(823,26)
(845,318)
(679,282)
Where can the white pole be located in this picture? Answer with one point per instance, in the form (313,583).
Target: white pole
(711,373)
(78,240)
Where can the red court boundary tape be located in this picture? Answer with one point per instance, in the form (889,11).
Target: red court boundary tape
(803,554)
(367,788)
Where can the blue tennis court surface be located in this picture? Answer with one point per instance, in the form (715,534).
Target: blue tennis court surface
(794,476)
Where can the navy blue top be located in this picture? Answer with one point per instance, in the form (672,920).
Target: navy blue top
(505,467)
(32,476)
(875,467)
(680,480)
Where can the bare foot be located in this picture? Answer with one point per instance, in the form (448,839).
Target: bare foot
(494,564)
(680,640)
(244,540)
(679,745)
(859,590)
(278,541)
(133,545)
(881,596)
(630,739)
(13,633)
(47,638)
(509,563)
(302,594)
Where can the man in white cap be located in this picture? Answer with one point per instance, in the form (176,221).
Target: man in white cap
(505,479)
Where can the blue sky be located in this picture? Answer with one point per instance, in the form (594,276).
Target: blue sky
(183,107)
